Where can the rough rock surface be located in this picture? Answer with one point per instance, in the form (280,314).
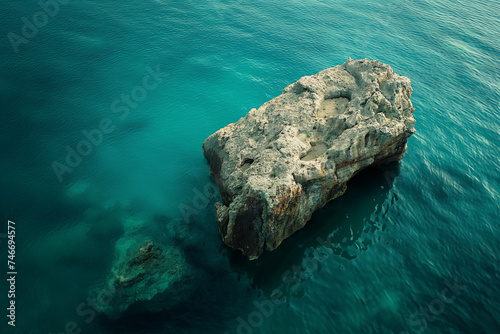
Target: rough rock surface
(285,160)
(147,277)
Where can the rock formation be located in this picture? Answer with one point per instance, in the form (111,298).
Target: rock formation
(285,160)
(148,278)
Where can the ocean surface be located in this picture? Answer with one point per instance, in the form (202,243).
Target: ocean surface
(416,243)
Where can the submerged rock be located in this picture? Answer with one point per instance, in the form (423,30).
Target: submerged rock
(148,278)
(285,160)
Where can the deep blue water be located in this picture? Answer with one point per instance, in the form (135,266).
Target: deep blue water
(402,234)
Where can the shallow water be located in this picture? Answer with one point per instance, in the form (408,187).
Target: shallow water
(401,235)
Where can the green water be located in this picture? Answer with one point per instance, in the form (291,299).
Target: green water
(396,239)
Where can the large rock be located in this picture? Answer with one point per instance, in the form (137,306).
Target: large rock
(285,160)
(146,278)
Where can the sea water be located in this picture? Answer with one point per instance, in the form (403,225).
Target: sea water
(412,247)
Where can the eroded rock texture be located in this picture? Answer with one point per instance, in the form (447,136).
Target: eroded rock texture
(145,277)
(285,160)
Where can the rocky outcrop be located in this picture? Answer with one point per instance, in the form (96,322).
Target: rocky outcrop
(148,278)
(285,160)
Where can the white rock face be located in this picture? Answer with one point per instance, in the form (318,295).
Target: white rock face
(285,160)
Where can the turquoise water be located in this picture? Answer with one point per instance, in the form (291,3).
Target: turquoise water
(400,235)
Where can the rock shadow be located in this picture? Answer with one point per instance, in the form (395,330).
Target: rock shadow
(345,223)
